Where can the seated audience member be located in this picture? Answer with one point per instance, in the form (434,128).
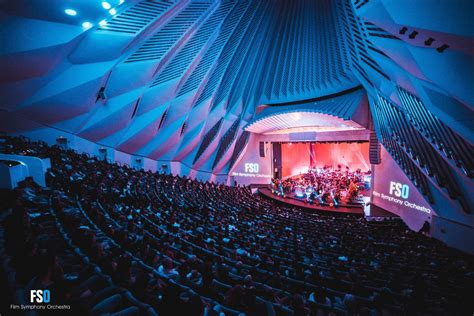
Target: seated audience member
(168,270)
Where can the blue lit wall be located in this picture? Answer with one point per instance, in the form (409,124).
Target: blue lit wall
(415,60)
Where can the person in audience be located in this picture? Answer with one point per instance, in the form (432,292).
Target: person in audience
(233,298)
(320,297)
(48,274)
(168,270)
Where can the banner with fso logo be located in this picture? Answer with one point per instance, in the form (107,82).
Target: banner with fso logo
(394,192)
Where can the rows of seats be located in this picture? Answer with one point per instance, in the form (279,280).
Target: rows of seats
(181,246)
(36,254)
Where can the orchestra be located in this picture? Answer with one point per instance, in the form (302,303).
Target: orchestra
(324,186)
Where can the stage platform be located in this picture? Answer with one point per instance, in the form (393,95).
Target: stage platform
(292,201)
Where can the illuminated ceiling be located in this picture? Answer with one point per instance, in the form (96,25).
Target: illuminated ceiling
(294,122)
(345,112)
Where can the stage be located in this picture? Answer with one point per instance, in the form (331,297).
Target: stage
(292,201)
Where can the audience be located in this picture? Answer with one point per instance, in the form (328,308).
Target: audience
(144,242)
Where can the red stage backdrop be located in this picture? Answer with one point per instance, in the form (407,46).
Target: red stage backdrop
(296,157)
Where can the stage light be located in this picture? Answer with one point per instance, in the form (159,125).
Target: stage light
(121,2)
(106,5)
(113,11)
(70,12)
(87,25)
(103,23)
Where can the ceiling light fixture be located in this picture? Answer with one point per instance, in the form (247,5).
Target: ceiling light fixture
(70,12)
(87,25)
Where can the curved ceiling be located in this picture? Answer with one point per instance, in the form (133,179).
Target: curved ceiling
(164,79)
(300,121)
(346,112)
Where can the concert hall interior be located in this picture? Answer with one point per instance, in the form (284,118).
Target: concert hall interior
(237,157)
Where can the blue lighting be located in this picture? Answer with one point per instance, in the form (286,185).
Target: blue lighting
(70,12)
(106,5)
(87,25)
(103,23)
(113,11)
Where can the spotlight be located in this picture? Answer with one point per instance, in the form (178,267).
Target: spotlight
(113,11)
(87,25)
(70,12)
(106,5)
(103,23)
